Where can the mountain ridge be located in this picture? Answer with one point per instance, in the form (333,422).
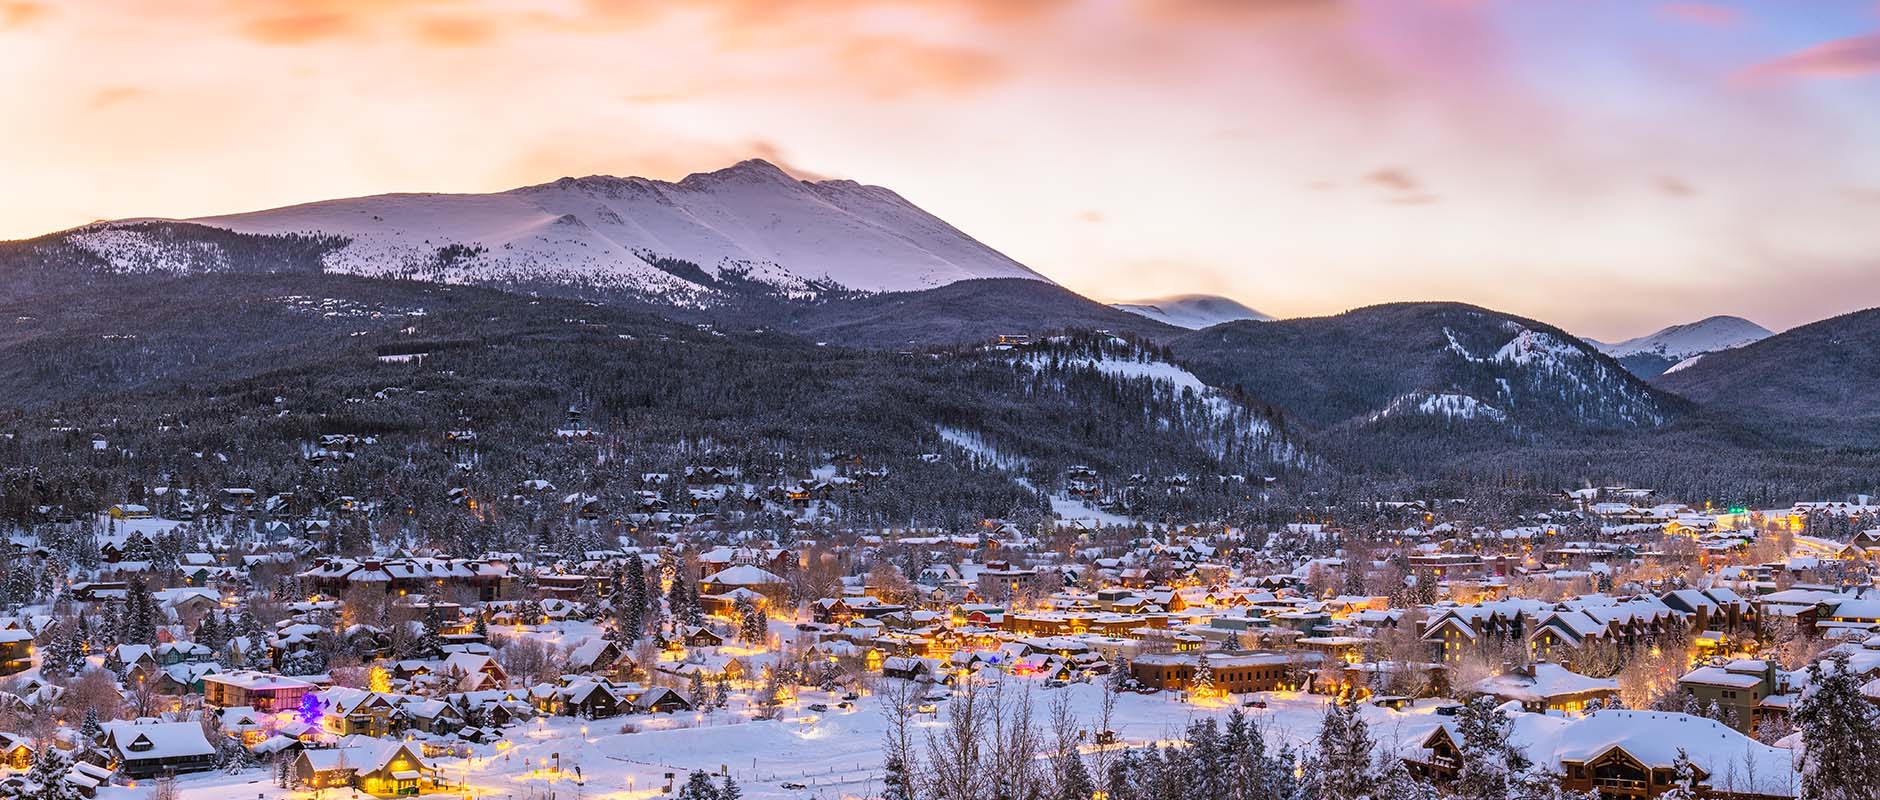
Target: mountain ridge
(1818,378)
(747,227)
(1429,372)
(1670,347)
(1191,311)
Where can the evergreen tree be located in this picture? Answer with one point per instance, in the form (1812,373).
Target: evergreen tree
(1203,683)
(1491,764)
(115,663)
(430,642)
(1344,757)
(1121,783)
(45,780)
(753,624)
(1396,783)
(676,596)
(62,655)
(694,610)
(1206,755)
(210,632)
(730,790)
(140,614)
(630,605)
(1073,777)
(896,782)
(1683,778)
(1840,754)
(698,786)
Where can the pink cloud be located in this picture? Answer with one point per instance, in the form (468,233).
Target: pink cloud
(1852,57)
(1396,179)
(1702,13)
(1674,186)
(1400,186)
(1230,12)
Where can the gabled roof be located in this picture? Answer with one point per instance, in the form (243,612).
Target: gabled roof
(157,740)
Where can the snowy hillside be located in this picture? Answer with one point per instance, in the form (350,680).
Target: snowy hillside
(1682,341)
(1408,362)
(1449,405)
(1191,311)
(1231,425)
(749,224)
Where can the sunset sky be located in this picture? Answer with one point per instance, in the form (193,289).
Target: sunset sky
(1607,165)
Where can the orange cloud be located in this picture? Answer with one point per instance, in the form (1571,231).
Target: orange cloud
(1233,12)
(1852,57)
(769,151)
(1701,13)
(19,14)
(890,67)
(301,28)
(107,97)
(296,22)
(455,31)
(991,11)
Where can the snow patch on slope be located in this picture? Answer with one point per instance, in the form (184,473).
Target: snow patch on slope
(977,446)
(1530,347)
(1683,364)
(1224,411)
(1450,405)
(139,251)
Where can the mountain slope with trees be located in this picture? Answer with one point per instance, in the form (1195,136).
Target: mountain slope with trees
(1820,378)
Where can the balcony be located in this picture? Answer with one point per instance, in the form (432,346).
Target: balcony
(1624,786)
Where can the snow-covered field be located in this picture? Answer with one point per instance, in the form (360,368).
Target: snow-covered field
(833,754)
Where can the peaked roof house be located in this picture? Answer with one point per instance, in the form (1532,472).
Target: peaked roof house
(374,766)
(1631,755)
(150,749)
(1543,686)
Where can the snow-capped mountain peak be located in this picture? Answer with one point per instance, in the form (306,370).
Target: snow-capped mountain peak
(1191,311)
(686,241)
(1695,338)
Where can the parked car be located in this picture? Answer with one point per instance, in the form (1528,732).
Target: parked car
(818,707)
(1254,704)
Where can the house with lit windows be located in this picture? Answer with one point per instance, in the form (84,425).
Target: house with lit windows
(375,766)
